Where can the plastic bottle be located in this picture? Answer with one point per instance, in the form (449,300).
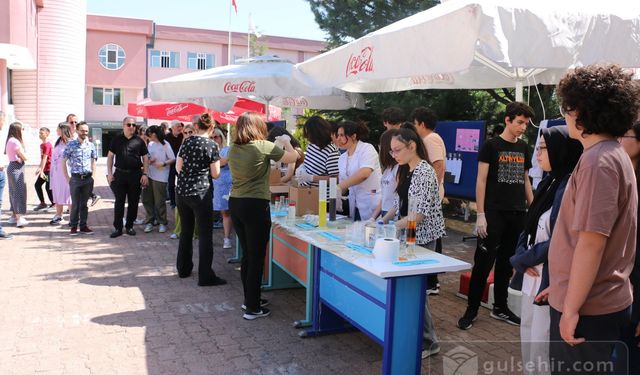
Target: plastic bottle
(380,229)
(292,210)
(390,229)
(276,204)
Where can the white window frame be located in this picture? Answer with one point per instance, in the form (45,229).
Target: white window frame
(108,96)
(120,56)
(164,59)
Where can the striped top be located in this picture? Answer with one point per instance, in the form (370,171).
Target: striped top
(319,162)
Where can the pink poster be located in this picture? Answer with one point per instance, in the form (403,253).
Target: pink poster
(468,140)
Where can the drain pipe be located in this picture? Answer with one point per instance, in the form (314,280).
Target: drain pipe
(149,45)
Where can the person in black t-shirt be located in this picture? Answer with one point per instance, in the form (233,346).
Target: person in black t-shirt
(503,191)
(174,137)
(130,174)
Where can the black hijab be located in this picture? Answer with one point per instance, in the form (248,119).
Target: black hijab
(564,154)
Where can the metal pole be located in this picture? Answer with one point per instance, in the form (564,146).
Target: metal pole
(229,44)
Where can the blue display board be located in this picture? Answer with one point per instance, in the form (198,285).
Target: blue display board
(462,140)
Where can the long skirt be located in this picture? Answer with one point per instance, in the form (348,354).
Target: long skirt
(17,188)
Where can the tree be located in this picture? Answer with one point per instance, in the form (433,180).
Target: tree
(346,20)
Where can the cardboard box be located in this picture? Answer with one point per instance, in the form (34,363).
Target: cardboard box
(306,199)
(274,176)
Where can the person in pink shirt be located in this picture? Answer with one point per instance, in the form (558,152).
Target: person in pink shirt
(14,149)
(43,170)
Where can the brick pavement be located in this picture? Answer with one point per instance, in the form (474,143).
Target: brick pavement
(92,305)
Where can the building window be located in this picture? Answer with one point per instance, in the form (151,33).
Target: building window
(164,59)
(200,61)
(111,56)
(105,96)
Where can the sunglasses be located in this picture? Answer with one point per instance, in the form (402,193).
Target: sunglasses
(130,124)
(73,122)
(188,132)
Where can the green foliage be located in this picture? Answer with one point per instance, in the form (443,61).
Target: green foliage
(256,47)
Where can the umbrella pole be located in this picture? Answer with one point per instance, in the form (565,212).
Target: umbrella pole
(519,91)
(228,132)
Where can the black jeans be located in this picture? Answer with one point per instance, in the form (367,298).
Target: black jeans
(80,189)
(432,279)
(251,219)
(126,186)
(171,186)
(196,209)
(595,355)
(38,186)
(503,229)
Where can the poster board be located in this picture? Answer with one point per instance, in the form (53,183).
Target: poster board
(462,140)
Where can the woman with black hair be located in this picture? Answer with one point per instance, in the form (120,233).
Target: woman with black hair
(417,179)
(14,148)
(277,131)
(359,169)
(389,181)
(557,154)
(321,158)
(154,196)
(198,161)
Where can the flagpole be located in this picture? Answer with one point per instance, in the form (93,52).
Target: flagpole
(229,44)
(248,40)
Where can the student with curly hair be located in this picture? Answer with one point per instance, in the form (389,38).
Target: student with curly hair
(593,246)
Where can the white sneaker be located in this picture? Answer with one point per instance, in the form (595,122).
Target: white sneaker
(162,229)
(148,228)
(173,236)
(139,222)
(21,222)
(12,220)
(226,243)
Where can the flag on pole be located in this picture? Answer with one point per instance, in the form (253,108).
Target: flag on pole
(252,27)
(235,6)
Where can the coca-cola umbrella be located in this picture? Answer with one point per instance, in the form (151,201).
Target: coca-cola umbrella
(270,79)
(148,108)
(476,44)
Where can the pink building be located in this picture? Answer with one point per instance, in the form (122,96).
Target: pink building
(123,55)
(55,59)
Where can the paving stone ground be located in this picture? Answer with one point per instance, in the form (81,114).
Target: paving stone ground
(95,305)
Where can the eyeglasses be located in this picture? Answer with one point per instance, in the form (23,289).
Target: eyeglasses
(73,122)
(620,138)
(541,148)
(190,132)
(393,152)
(130,124)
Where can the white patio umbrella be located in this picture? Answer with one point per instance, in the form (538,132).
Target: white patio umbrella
(484,44)
(270,79)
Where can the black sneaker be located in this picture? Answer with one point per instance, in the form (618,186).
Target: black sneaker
(263,303)
(116,233)
(56,220)
(41,206)
(250,315)
(504,314)
(467,319)
(213,282)
(130,231)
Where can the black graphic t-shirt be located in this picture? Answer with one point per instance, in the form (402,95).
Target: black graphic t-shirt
(197,154)
(505,182)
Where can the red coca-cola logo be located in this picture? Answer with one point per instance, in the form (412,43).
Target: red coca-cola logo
(244,86)
(360,63)
(289,101)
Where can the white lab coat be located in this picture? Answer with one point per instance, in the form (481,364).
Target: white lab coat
(366,195)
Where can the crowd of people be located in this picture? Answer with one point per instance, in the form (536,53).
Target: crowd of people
(572,243)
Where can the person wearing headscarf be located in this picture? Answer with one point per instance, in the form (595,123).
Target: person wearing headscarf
(558,155)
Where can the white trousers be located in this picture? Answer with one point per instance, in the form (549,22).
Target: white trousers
(534,336)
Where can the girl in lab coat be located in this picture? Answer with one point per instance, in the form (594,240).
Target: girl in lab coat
(359,170)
